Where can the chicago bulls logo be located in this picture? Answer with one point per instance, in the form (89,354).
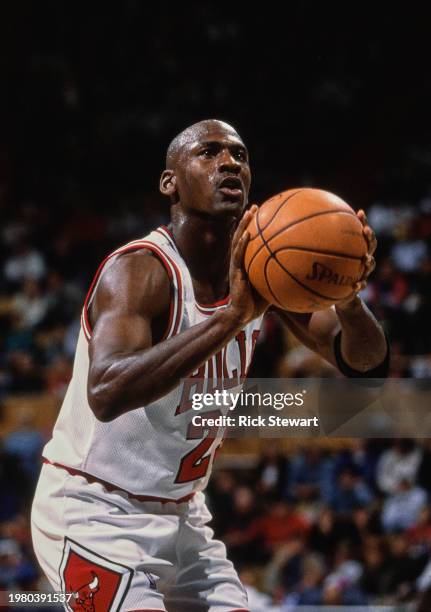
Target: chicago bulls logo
(96,583)
(84,595)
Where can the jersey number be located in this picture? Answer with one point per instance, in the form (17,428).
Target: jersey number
(194,465)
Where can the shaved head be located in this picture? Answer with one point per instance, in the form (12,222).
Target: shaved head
(192,133)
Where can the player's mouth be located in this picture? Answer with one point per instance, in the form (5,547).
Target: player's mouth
(231,187)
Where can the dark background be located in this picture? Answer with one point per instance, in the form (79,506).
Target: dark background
(334,96)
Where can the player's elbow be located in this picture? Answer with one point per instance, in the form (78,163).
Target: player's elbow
(102,403)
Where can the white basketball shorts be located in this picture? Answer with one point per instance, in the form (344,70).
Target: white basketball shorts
(115,553)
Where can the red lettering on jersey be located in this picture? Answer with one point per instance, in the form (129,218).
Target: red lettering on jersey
(193,384)
(195,464)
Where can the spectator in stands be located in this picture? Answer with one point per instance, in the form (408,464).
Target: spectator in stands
(221,491)
(280,523)
(16,572)
(419,534)
(31,304)
(310,476)
(342,584)
(25,443)
(409,252)
(326,532)
(401,510)
(271,472)
(403,568)
(24,263)
(375,566)
(400,462)
(26,376)
(244,511)
(350,492)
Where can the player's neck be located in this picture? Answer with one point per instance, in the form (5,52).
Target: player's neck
(204,244)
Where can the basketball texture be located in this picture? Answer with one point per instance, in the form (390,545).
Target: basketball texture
(306,250)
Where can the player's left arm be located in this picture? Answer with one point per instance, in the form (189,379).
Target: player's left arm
(347,335)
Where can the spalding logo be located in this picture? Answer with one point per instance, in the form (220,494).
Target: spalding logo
(324,274)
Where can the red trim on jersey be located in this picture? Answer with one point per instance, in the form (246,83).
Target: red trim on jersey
(211,308)
(217,304)
(166,233)
(172,327)
(110,487)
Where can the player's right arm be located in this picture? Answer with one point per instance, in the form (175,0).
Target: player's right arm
(128,367)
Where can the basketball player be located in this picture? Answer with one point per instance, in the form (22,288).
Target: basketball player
(119,518)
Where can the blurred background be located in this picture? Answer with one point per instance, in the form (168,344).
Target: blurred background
(333,98)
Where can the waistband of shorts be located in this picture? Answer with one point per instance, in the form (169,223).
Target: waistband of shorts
(111,487)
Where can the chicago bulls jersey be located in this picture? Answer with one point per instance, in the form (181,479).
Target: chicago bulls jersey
(153,451)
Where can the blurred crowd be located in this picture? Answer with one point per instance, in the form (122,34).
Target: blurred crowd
(316,527)
(93,102)
(313,526)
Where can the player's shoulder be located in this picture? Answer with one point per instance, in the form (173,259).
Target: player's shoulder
(136,277)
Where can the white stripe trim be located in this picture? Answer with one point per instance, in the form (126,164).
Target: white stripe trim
(84,326)
(168,237)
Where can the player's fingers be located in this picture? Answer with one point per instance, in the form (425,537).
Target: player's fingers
(370,264)
(359,286)
(371,239)
(239,252)
(362,217)
(245,220)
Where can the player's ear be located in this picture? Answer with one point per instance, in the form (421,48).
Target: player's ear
(168,183)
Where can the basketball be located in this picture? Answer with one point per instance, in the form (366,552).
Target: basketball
(306,250)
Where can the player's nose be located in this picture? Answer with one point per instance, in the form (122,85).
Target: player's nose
(228,163)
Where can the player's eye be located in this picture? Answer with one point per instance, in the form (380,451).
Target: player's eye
(241,155)
(208,152)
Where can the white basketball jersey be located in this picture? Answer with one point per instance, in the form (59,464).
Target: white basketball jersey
(153,451)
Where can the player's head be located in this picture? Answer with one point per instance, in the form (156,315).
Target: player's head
(207,169)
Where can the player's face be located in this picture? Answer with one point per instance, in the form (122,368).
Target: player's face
(213,173)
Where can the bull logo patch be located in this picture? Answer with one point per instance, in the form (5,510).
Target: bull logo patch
(85,594)
(96,583)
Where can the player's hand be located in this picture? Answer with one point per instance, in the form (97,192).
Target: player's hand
(246,304)
(369,261)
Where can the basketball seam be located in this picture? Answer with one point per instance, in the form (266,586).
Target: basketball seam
(260,230)
(265,242)
(281,206)
(273,256)
(267,282)
(319,252)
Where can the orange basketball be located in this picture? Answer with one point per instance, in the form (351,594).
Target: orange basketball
(306,250)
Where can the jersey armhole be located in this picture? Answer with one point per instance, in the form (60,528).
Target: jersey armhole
(176,304)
